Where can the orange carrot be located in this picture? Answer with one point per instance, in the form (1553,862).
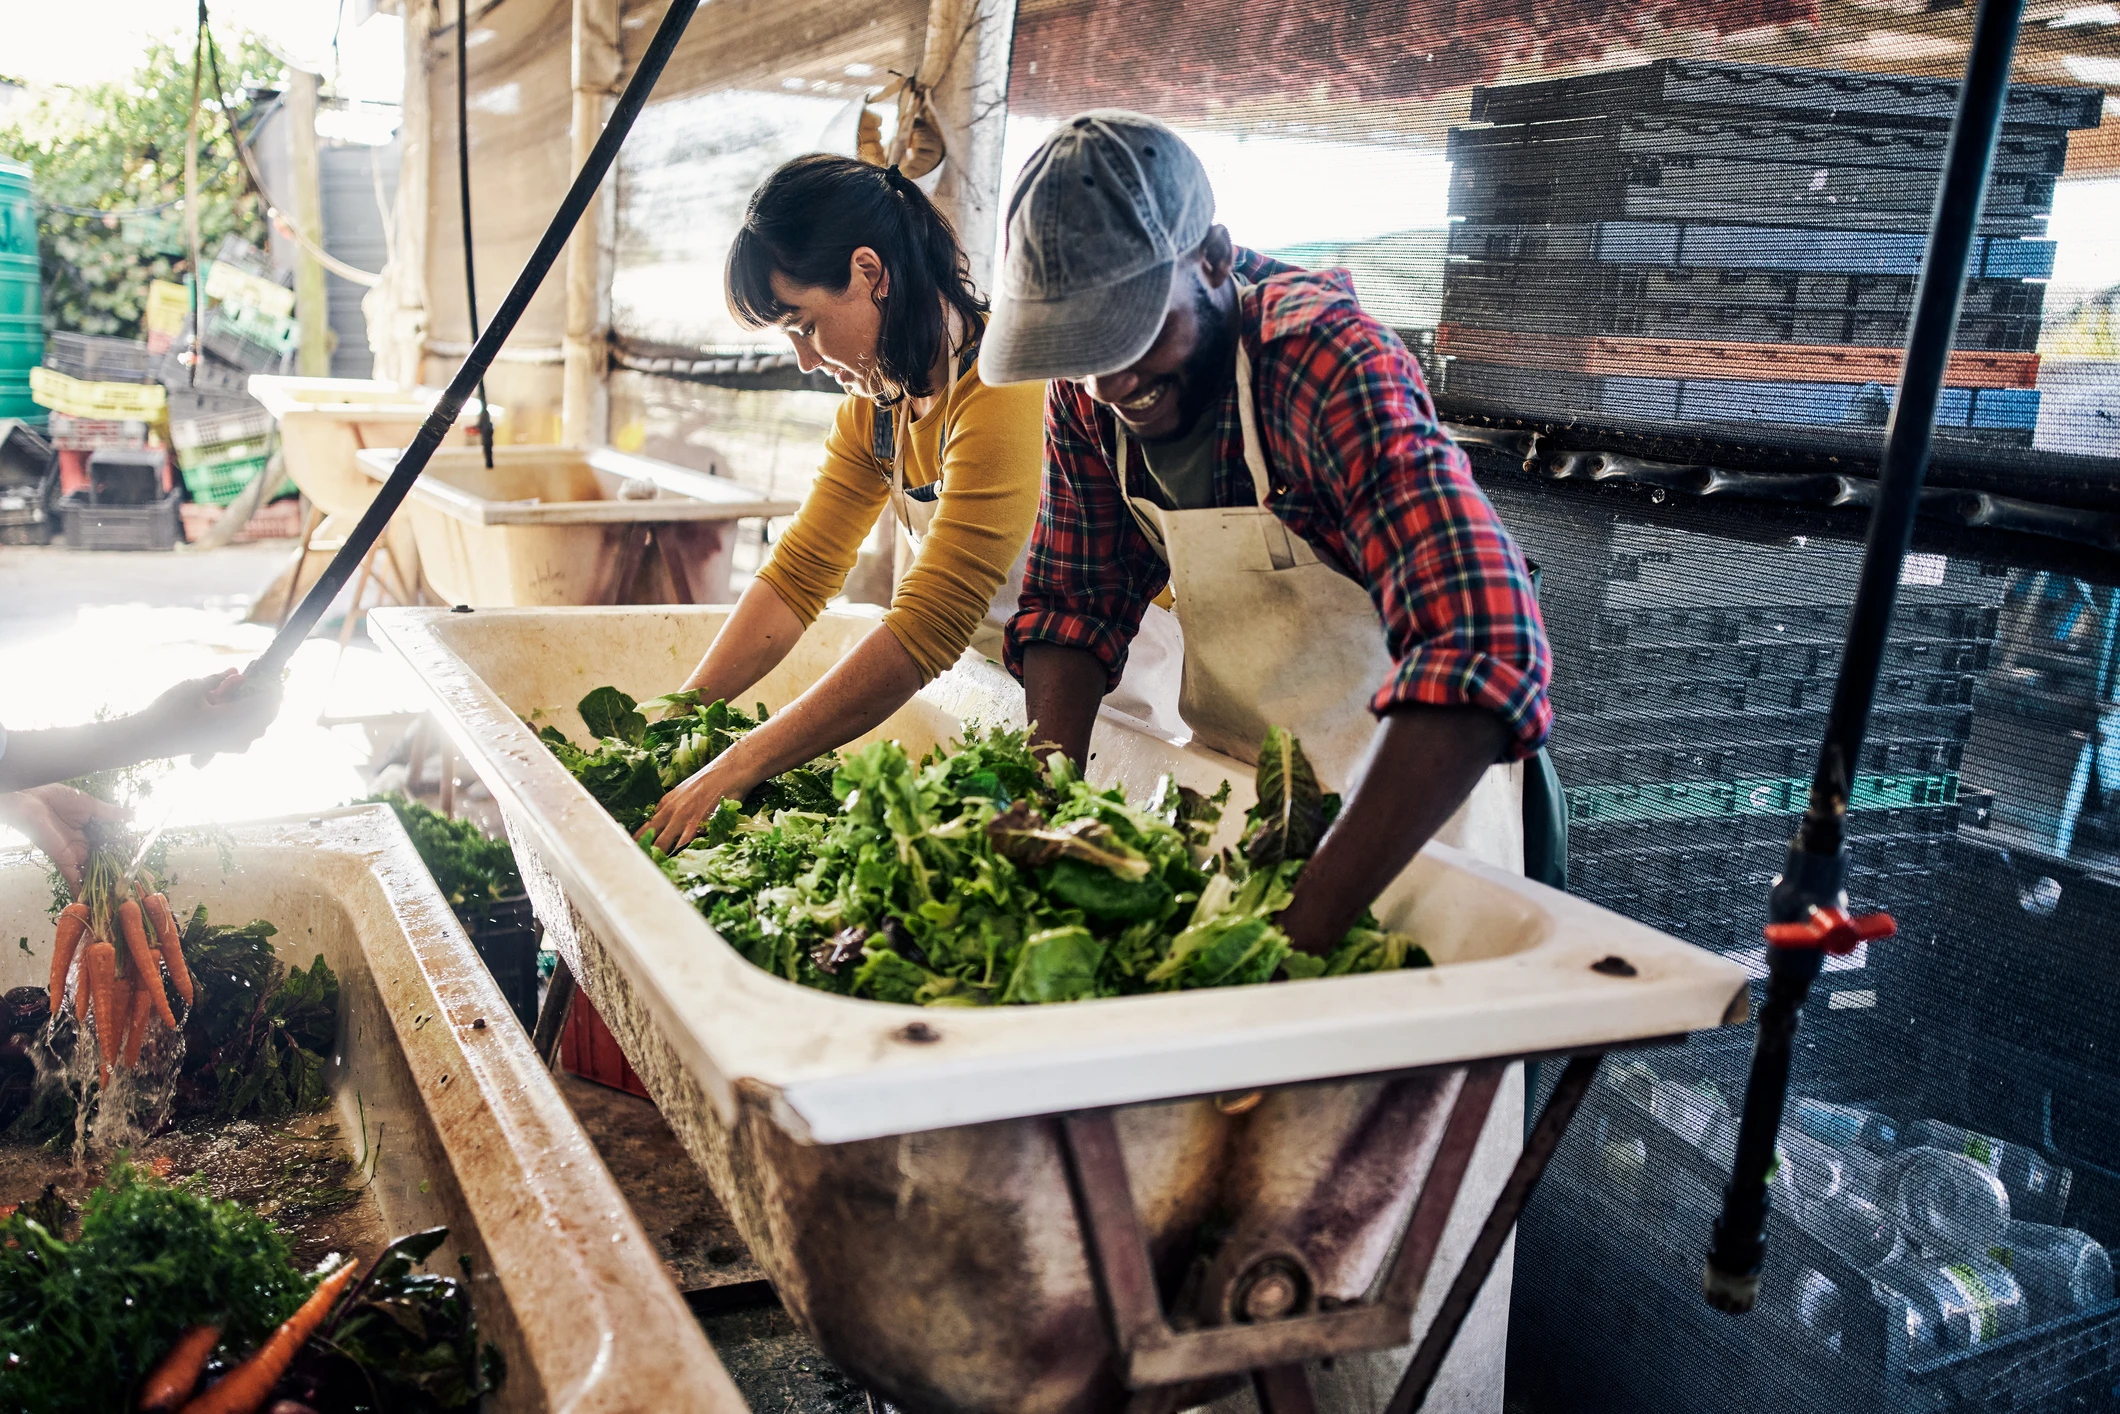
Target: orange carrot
(147,971)
(170,1382)
(244,1389)
(111,1039)
(139,1020)
(100,961)
(172,947)
(73,922)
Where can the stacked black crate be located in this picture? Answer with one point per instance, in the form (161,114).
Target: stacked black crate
(1731,250)
(1692,672)
(1693,658)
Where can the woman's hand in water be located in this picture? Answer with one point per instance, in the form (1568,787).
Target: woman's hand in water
(693,799)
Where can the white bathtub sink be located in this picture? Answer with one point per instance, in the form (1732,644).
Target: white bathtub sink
(475,1135)
(1514,959)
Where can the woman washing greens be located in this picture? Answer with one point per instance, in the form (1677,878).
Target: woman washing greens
(869,283)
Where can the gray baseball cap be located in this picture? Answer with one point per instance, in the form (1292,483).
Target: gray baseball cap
(1097,222)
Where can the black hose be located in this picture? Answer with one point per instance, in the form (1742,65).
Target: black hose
(451,403)
(1814,878)
(463,186)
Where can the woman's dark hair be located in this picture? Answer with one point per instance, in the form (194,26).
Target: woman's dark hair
(808,220)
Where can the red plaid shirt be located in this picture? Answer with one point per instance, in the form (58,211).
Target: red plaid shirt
(1364,473)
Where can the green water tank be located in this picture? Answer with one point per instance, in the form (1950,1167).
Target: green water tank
(21,306)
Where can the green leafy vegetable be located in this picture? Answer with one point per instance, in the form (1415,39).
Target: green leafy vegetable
(471,867)
(402,1340)
(978,875)
(607,713)
(82,1321)
(258,1035)
(1293,810)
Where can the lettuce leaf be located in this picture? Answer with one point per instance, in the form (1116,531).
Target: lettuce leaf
(976,875)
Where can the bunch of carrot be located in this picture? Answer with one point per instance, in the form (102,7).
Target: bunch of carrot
(123,993)
(243,1390)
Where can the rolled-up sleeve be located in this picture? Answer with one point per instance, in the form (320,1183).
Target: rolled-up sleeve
(1091,571)
(1449,583)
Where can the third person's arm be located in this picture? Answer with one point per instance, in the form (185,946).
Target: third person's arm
(1062,688)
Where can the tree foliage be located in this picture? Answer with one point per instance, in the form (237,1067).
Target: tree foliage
(119,148)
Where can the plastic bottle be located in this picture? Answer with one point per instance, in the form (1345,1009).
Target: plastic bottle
(2038,1187)
(1967,1301)
(2060,1269)
(1945,1200)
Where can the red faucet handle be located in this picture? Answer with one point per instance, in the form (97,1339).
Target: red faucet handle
(1833,929)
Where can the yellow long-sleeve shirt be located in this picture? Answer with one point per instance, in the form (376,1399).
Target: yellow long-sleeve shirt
(990,469)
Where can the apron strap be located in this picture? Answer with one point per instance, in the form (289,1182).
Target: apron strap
(885,438)
(1248,420)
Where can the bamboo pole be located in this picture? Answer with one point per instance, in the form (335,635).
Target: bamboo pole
(312,309)
(584,397)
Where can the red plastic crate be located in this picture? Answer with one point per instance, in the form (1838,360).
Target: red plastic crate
(588,1049)
(282,520)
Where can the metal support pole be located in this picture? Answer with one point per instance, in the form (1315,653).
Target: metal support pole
(414,460)
(552,1018)
(1545,1137)
(1807,907)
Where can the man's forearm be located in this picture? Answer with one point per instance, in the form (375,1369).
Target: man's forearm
(1062,689)
(40,758)
(1422,764)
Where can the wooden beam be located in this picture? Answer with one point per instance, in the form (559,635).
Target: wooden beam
(312,310)
(396,309)
(965,60)
(584,395)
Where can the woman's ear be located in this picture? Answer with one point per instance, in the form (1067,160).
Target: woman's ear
(866,271)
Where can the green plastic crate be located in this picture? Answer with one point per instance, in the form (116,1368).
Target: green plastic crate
(216,483)
(248,450)
(1765,795)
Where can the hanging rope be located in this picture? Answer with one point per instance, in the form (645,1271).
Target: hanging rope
(463,178)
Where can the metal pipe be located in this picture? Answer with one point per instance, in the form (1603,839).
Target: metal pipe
(414,460)
(463,186)
(1814,878)
(1539,1145)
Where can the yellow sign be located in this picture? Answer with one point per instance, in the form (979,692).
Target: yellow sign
(232,286)
(111,402)
(168,304)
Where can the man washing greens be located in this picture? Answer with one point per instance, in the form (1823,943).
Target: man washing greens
(1243,431)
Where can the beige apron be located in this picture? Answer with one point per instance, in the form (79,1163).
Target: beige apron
(1275,636)
(1154,657)
(916,514)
